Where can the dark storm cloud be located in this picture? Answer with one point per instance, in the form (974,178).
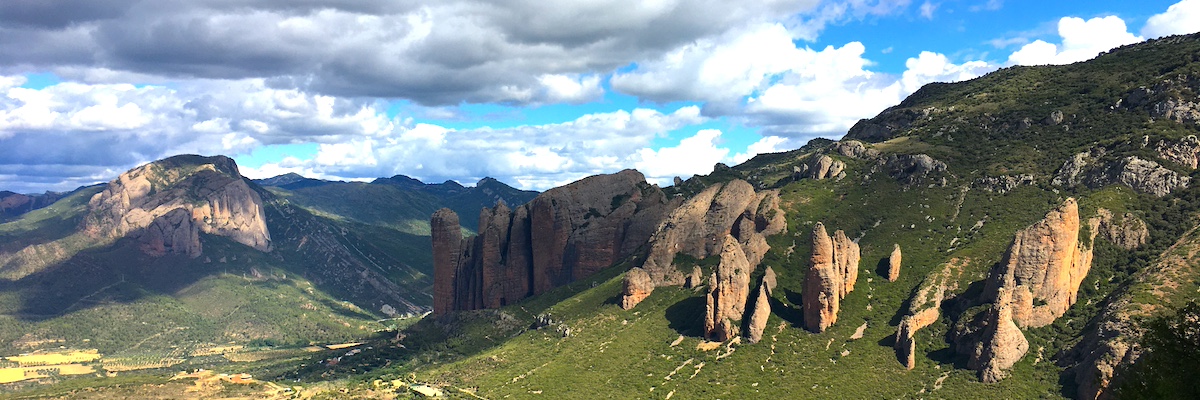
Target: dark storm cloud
(434,53)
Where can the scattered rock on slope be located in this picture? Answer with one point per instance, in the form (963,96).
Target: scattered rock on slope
(636,287)
(894,264)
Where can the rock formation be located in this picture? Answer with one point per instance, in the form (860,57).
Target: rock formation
(1043,268)
(992,342)
(1141,175)
(1185,152)
(833,270)
(635,287)
(1129,232)
(822,167)
(854,149)
(1035,283)
(911,169)
(698,227)
(894,264)
(694,279)
(769,280)
(210,190)
(923,310)
(758,318)
(728,290)
(565,234)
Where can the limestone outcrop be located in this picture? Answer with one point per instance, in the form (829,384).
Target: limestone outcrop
(910,169)
(923,310)
(636,287)
(1141,175)
(833,270)
(565,234)
(854,149)
(728,290)
(698,227)
(821,167)
(894,264)
(1043,268)
(1185,151)
(769,280)
(210,190)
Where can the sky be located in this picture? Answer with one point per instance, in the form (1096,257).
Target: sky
(534,93)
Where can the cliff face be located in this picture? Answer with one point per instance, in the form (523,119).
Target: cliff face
(1043,268)
(564,234)
(728,290)
(833,270)
(701,224)
(1035,283)
(147,202)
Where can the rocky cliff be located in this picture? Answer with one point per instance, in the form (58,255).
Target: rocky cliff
(728,289)
(564,234)
(1035,282)
(894,264)
(833,270)
(209,190)
(1043,267)
(700,225)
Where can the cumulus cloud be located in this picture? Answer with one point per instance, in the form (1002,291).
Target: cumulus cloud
(1180,18)
(438,53)
(927,9)
(1081,40)
(694,155)
(761,76)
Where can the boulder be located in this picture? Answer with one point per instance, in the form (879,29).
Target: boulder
(894,264)
(636,287)
(769,280)
(1000,343)
(694,279)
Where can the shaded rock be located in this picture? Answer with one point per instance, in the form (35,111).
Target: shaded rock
(727,293)
(1054,118)
(769,280)
(1128,232)
(885,125)
(636,287)
(995,343)
(694,279)
(1071,173)
(894,264)
(565,234)
(172,233)
(447,242)
(923,309)
(758,319)
(833,270)
(911,169)
(1004,183)
(210,189)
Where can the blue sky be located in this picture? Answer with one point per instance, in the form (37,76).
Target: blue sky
(534,94)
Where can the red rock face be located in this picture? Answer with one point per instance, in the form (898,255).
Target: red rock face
(832,273)
(565,234)
(447,242)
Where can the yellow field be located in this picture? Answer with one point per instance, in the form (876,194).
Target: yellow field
(38,359)
(343,345)
(17,374)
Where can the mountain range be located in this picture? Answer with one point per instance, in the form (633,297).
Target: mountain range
(1029,233)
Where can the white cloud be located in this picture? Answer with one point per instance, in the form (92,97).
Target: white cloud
(694,155)
(1081,40)
(927,9)
(768,144)
(1180,18)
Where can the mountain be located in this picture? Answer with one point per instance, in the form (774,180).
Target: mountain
(1027,234)
(1012,236)
(13,205)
